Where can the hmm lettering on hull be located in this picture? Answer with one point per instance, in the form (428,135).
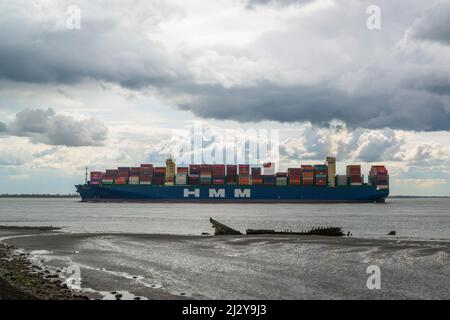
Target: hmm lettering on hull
(194,193)
(217,193)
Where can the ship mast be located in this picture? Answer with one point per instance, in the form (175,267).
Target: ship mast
(86,175)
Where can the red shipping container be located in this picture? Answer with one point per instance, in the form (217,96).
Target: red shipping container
(294,180)
(244,169)
(182,170)
(256,172)
(294,171)
(96,175)
(231,169)
(194,180)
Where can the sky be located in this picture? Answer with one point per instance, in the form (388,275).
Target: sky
(120,82)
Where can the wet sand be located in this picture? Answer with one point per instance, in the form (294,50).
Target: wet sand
(151,266)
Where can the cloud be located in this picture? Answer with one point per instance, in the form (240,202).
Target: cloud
(308,66)
(106,48)
(374,146)
(319,105)
(45,126)
(314,143)
(433,25)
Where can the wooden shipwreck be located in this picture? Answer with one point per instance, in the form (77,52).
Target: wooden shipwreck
(221,229)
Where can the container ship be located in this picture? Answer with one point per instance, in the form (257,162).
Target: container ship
(235,183)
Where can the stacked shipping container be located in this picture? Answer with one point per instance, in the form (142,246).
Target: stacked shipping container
(294,176)
(244,175)
(205,174)
(256,176)
(109,176)
(135,172)
(123,174)
(341,180)
(281,179)
(218,174)
(182,176)
(307,175)
(146,174)
(194,174)
(231,174)
(354,174)
(320,172)
(379,176)
(268,177)
(96,177)
(159,176)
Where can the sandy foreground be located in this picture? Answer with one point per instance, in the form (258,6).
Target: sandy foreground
(150,266)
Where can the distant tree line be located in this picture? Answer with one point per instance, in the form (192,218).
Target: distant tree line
(39,195)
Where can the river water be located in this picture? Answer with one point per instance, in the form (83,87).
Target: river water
(412,218)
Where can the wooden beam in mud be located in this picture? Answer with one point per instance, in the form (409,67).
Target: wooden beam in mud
(221,229)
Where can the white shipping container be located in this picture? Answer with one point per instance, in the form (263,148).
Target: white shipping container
(181,179)
(145,182)
(133,180)
(342,180)
(269,169)
(281,181)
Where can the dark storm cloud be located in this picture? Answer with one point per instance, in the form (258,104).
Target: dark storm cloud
(45,126)
(434,24)
(318,105)
(102,50)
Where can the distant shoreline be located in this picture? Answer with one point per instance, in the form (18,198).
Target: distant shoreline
(417,197)
(39,196)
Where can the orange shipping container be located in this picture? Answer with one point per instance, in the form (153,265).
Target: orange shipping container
(244,180)
(256,180)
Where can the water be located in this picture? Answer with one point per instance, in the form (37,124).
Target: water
(154,251)
(414,218)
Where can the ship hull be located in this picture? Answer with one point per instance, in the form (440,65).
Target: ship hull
(231,194)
